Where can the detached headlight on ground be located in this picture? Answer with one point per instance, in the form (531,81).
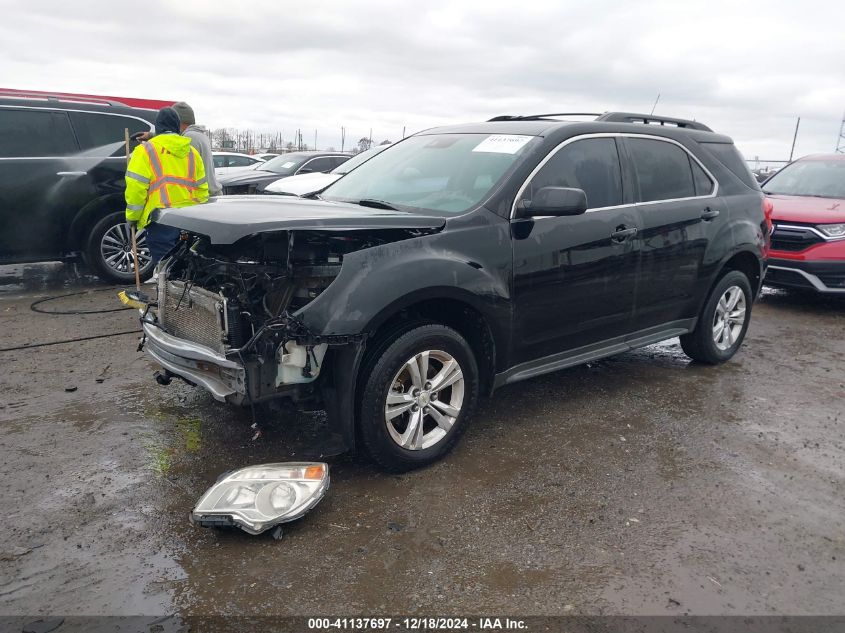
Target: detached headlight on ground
(832,230)
(257,498)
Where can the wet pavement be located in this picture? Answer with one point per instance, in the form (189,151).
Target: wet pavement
(641,484)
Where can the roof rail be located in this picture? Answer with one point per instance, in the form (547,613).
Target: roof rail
(20,94)
(540,117)
(650,119)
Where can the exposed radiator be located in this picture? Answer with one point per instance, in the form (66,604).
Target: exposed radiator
(192,313)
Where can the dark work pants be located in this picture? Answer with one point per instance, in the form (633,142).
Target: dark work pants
(160,239)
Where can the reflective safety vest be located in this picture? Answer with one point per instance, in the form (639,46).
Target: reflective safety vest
(163,172)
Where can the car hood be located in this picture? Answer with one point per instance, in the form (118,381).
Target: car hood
(302,184)
(227,219)
(807,209)
(248,176)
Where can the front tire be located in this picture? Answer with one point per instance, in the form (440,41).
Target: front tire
(418,396)
(109,251)
(723,322)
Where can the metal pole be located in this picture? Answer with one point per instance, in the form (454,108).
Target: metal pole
(794,138)
(132,227)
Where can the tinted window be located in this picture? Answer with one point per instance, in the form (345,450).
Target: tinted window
(730,157)
(703,184)
(102,130)
(28,133)
(219,161)
(663,170)
(591,165)
(240,161)
(319,164)
(339,160)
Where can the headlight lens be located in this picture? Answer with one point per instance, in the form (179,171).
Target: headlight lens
(257,498)
(832,230)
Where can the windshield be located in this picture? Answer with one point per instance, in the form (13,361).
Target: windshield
(284,164)
(363,157)
(441,172)
(820,178)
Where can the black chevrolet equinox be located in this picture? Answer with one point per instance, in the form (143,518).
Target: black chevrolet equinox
(62,178)
(459,260)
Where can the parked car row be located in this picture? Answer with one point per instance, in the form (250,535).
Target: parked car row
(61,192)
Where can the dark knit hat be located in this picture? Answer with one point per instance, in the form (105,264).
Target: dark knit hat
(167,121)
(185,112)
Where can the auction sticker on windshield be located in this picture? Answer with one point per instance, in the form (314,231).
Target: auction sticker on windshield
(502,143)
(288,164)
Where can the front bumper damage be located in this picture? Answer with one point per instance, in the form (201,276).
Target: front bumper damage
(225,379)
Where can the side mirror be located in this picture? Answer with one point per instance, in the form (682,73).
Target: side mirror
(305,170)
(556,201)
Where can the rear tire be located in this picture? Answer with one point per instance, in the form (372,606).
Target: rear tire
(108,251)
(723,322)
(420,389)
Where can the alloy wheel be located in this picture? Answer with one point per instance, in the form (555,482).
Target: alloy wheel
(116,249)
(424,400)
(729,318)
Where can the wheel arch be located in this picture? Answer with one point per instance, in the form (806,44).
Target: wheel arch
(454,308)
(89,215)
(746,262)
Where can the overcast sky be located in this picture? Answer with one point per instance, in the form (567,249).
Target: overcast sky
(747,69)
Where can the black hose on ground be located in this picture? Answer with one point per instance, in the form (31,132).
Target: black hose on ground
(70,340)
(34,305)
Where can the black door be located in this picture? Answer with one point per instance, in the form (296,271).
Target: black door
(39,183)
(679,212)
(575,277)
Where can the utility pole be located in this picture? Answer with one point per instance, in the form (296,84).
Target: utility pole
(342,137)
(315,140)
(403,131)
(840,142)
(370,140)
(794,138)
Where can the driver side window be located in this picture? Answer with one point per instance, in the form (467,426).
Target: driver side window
(590,164)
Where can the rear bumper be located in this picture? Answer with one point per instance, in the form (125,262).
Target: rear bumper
(826,277)
(197,364)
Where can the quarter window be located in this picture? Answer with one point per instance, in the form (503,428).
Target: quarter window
(663,170)
(703,184)
(35,133)
(590,164)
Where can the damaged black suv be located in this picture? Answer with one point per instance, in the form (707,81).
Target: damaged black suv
(459,260)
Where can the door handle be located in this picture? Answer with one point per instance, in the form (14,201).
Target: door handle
(74,174)
(622,233)
(709,214)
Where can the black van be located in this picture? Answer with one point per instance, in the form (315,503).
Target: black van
(62,166)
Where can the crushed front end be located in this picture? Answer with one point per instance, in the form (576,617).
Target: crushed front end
(224,317)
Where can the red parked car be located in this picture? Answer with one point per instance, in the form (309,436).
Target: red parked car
(808,216)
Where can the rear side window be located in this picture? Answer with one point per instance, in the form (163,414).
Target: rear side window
(219,161)
(663,170)
(591,164)
(240,161)
(319,164)
(35,133)
(103,131)
(729,156)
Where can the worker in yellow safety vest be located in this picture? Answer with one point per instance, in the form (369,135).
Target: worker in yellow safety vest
(163,172)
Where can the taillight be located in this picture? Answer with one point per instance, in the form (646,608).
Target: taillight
(768,208)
